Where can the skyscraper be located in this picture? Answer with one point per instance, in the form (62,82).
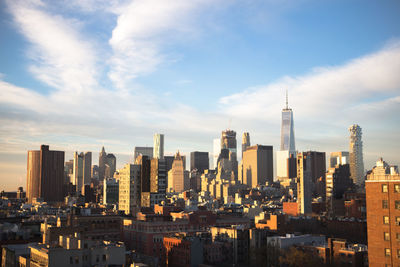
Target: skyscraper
(158,152)
(287,130)
(177,180)
(102,163)
(304,183)
(216,151)
(87,167)
(77,174)
(245,142)
(45,174)
(111,163)
(356,155)
(257,165)
(199,161)
(228,141)
(143,150)
(288,147)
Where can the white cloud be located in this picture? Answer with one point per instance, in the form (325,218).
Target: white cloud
(61,57)
(143,28)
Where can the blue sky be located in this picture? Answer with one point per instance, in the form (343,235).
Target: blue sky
(80,74)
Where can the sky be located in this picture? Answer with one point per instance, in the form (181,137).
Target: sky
(80,74)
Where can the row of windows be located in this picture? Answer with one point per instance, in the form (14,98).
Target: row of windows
(385,204)
(387,221)
(388,252)
(386,236)
(385,188)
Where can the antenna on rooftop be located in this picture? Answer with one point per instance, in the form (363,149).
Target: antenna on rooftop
(287,99)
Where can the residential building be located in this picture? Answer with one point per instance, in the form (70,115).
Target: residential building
(129,188)
(110,191)
(183,251)
(356,155)
(258,165)
(45,175)
(383,216)
(158,152)
(304,183)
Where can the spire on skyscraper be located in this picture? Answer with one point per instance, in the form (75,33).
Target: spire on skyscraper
(287,99)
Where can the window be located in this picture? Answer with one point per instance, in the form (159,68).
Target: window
(385,204)
(384,188)
(397,188)
(397,204)
(387,252)
(397,220)
(398,253)
(398,236)
(385,219)
(386,236)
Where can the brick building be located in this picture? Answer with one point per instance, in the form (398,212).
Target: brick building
(383,216)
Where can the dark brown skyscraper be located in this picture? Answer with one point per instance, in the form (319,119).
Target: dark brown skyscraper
(45,174)
(199,161)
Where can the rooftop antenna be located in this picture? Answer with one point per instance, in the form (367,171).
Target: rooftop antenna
(229,125)
(287,99)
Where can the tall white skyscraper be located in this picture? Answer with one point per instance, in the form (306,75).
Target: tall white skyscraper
(216,151)
(356,155)
(287,142)
(158,152)
(287,130)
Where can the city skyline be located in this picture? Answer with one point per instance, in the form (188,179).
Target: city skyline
(352,80)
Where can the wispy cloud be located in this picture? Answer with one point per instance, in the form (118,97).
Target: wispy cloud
(143,28)
(60,56)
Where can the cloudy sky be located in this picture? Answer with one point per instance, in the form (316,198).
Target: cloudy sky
(77,74)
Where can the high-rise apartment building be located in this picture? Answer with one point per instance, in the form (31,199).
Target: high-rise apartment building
(318,171)
(158,152)
(158,181)
(129,188)
(356,154)
(338,158)
(383,216)
(110,191)
(199,161)
(258,165)
(304,183)
(102,163)
(178,181)
(144,151)
(216,151)
(45,174)
(337,183)
(245,142)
